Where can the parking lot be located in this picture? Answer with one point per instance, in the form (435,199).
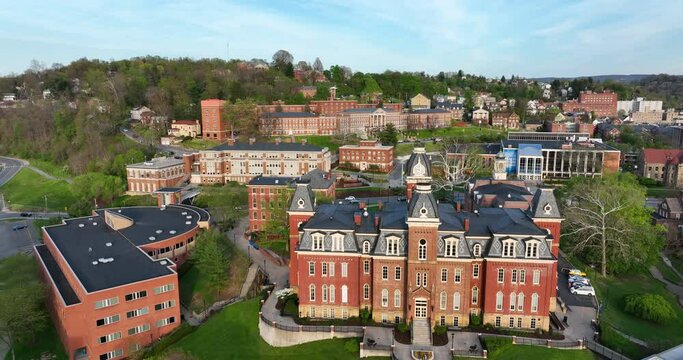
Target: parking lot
(563,285)
(13,242)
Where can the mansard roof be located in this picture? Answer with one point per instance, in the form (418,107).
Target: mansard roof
(545,205)
(422,204)
(303,199)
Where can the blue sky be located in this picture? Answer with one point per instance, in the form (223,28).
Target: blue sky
(493,37)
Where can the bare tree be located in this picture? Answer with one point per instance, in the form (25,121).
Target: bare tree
(454,165)
(318,65)
(607,222)
(302,65)
(282,57)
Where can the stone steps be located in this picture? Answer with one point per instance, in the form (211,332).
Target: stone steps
(422,332)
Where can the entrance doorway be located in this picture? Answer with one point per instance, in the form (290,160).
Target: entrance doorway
(420,308)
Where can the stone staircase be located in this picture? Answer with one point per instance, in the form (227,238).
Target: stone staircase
(422,332)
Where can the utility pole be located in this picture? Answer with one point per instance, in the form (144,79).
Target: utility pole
(45,196)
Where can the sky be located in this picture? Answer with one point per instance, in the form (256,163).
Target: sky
(491,38)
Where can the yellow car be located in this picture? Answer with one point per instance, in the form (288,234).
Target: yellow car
(576,272)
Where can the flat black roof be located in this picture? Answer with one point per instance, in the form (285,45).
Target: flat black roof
(271,180)
(263,146)
(55,272)
(168,190)
(102,257)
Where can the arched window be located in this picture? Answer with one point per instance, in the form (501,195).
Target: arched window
(499,301)
(476,250)
(475,295)
(385,297)
(534,302)
(332,294)
(520,302)
(366,247)
(442,300)
(397,298)
(456,301)
(422,250)
(324,291)
(366,291)
(311,292)
(345,294)
(513,300)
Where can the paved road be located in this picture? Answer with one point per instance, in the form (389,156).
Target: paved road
(563,285)
(9,167)
(13,242)
(396,174)
(129,133)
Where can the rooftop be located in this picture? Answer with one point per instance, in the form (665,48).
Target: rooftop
(288,114)
(57,276)
(102,257)
(264,146)
(157,163)
(662,156)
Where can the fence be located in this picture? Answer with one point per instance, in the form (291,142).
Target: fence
(479,353)
(311,328)
(605,352)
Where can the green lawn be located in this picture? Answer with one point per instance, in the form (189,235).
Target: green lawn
(677,263)
(20,270)
(61,172)
(622,345)
(233,334)
(502,349)
(27,189)
(661,192)
(277,246)
(199,144)
(465,132)
(331,142)
(668,272)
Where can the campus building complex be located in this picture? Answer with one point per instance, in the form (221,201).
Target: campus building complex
(424,261)
(113,286)
(368,155)
(149,176)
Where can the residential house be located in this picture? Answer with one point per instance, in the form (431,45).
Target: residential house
(420,101)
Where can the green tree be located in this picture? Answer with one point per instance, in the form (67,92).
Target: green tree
(242,117)
(94,189)
(371,86)
(608,224)
(132,156)
(276,227)
(389,135)
(226,203)
(211,258)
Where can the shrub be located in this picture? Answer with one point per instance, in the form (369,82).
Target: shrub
(402,327)
(475,320)
(651,307)
(351,346)
(364,315)
(440,329)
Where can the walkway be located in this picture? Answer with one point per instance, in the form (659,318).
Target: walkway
(673,288)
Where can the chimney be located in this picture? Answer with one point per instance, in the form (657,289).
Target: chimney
(252,141)
(467,224)
(356,218)
(278,141)
(231,141)
(361,205)
(376,220)
(457,206)
(380,205)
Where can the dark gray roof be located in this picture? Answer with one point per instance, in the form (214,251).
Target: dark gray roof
(271,180)
(422,204)
(263,146)
(303,198)
(429,111)
(504,192)
(102,257)
(448,105)
(366,110)
(65,290)
(418,160)
(545,205)
(317,179)
(288,114)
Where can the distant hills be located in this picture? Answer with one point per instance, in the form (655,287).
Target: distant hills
(623,78)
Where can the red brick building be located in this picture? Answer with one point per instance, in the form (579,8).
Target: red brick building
(369,155)
(508,120)
(602,104)
(214,126)
(149,176)
(263,192)
(111,277)
(428,119)
(423,261)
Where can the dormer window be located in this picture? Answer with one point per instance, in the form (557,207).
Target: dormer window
(532,249)
(318,241)
(366,247)
(509,248)
(392,245)
(338,242)
(476,250)
(451,247)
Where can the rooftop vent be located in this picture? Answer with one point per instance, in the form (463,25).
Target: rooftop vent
(188,217)
(159,231)
(162,208)
(94,262)
(94,224)
(184,213)
(172,232)
(188,222)
(81,225)
(163,262)
(119,210)
(105,260)
(90,218)
(152,238)
(148,163)
(107,244)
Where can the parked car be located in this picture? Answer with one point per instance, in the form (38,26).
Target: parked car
(583,290)
(26,214)
(573,279)
(19,227)
(401,198)
(572,272)
(350,198)
(578,284)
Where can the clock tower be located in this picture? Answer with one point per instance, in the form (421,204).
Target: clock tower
(418,170)
(499,172)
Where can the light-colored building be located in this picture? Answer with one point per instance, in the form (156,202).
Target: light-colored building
(149,176)
(480,117)
(639,105)
(366,120)
(241,162)
(185,128)
(420,101)
(507,120)
(137,113)
(369,155)
(663,165)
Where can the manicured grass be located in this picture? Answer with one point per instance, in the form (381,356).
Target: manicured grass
(233,334)
(135,200)
(466,131)
(668,272)
(61,172)
(199,144)
(326,141)
(676,262)
(661,192)
(277,246)
(622,345)
(403,149)
(21,270)
(502,349)
(27,189)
